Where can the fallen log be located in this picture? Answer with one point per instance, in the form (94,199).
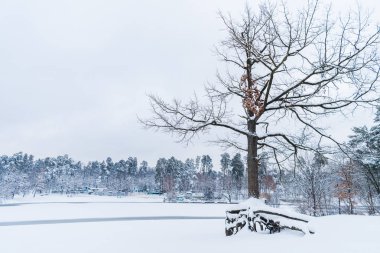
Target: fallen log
(235,221)
(261,217)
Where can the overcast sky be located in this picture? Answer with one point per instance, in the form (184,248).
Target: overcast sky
(74,74)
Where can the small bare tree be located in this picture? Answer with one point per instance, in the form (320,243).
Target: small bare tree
(282,66)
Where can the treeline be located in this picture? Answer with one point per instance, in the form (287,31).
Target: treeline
(317,185)
(347,181)
(21,174)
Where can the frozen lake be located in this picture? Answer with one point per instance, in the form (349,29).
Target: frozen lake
(140,224)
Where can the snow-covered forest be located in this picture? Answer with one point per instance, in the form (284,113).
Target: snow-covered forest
(345,181)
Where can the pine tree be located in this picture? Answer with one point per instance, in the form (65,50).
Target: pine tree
(206,162)
(160,173)
(225,162)
(143,168)
(365,147)
(237,171)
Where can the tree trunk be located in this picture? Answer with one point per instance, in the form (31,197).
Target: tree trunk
(252,157)
(252,162)
(340,212)
(314,198)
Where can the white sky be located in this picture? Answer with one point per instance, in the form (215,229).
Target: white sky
(74,74)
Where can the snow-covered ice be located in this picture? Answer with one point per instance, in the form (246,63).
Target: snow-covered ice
(334,233)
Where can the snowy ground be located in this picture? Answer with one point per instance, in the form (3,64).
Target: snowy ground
(168,229)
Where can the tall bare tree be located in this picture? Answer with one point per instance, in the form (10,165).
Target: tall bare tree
(281,66)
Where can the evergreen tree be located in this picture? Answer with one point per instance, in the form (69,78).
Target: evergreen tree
(186,175)
(132,166)
(206,163)
(160,173)
(226,179)
(365,145)
(171,174)
(365,149)
(237,166)
(225,162)
(143,168)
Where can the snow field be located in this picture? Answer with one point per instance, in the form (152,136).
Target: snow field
(344,233)
(87,207)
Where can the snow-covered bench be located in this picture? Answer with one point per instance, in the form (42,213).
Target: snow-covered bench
(261,217)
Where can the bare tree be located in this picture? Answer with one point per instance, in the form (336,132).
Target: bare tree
(282,66)
(313,182)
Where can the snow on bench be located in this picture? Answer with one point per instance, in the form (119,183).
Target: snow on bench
(261,217)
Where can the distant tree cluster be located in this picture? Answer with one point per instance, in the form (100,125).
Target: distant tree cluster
(344,181)
(198,175)
(22,174)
